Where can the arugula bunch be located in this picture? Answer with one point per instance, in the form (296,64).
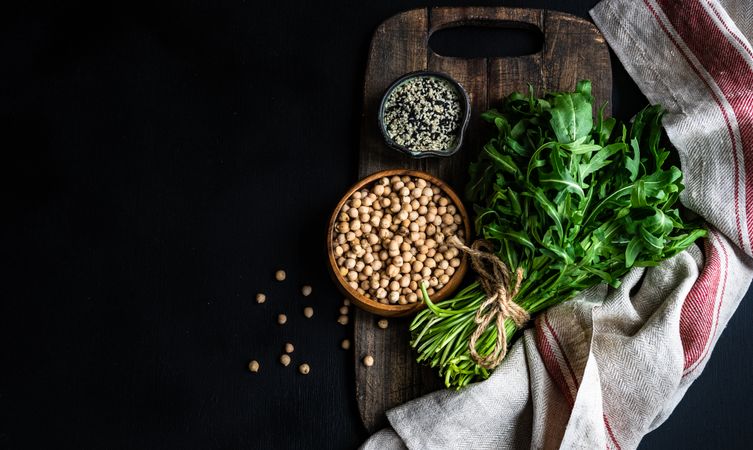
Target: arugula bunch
(573,201)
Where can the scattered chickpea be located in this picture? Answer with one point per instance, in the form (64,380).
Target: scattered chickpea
(304,369)
(345,344)
(285,359)
(346,302)
(280,275)
(308,312)
(342,320)
(343,310)
(306,290)
(253,366)
(368,360)
(261,298)
(383,324)
(281,319)
(289,348)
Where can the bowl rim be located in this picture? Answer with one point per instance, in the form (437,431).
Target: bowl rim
(369,304)
(465,103)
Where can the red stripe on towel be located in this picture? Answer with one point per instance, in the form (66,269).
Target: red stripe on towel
(611,433)
(729,70)
(724,269)
(561,349)
(551,363)
(696,316)
(569,366)
(724,113)
(726,27)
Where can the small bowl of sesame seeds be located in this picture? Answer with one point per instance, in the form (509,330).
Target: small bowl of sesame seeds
(424,114)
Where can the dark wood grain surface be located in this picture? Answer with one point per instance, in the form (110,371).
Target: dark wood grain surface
(161,160)
(400,45)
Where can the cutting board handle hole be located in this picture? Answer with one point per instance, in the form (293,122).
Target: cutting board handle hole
(487,40)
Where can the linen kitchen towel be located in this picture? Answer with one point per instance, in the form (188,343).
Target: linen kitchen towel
(607,367)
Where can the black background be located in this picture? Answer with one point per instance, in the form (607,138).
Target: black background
(160,161)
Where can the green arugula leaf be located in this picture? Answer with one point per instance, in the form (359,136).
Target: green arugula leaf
(571,200)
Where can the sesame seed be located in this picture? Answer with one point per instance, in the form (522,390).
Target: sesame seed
(423,114)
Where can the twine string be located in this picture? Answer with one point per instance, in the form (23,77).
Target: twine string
(495,280)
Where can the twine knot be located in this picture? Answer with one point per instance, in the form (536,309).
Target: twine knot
(495,280)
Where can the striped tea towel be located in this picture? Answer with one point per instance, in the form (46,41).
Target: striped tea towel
(607,367)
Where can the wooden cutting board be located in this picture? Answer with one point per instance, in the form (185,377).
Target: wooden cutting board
(573,49)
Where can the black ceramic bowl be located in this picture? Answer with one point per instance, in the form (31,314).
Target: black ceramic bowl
(465,106)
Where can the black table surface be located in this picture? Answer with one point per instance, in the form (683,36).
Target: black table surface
(160,162)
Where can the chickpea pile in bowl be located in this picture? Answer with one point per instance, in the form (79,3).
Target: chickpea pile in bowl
(391,234)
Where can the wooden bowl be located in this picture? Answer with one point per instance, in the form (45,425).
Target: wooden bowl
(367,303)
